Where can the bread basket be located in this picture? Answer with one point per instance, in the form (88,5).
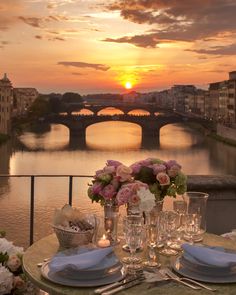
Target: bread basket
(68,238)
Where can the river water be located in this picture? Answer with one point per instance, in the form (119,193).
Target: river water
(49,153)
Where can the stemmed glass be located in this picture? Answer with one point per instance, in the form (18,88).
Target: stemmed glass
(128,259)
(180,207)
(134,236)
(151,235)
(169,221)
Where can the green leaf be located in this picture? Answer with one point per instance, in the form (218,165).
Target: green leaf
(3,257)
(146,175)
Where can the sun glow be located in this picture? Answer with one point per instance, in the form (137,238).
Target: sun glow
(128,85)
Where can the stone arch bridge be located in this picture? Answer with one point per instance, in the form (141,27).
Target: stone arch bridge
(150,124)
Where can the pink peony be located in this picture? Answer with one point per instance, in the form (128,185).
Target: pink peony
(108,192)
(157,168)
(174,170)
(124,173)
(163,178)
(123,195)
(96,188)
(171,163)
(136,167)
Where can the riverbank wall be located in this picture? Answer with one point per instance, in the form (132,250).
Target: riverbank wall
(221,204)
(226,132)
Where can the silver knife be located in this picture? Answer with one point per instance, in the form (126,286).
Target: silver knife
(124,286)
(116,284)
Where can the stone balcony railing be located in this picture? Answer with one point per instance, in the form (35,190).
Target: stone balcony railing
(221,204)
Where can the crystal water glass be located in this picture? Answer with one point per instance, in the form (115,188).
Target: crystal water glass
(197,204)
(192,226)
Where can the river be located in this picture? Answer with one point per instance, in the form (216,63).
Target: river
(49,153)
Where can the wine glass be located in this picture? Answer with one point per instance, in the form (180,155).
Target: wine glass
(134,236)
(151,236)
(180,207)
(169,222)
(128,259)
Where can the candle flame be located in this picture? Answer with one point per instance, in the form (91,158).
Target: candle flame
(104,237)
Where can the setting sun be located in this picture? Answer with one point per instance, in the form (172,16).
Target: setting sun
(128,85)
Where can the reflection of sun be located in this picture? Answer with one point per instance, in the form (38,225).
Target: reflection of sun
(128,85)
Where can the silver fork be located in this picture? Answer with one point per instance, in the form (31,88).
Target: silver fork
(184,279)
(168,277)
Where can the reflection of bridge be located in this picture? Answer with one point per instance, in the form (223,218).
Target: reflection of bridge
(150,124)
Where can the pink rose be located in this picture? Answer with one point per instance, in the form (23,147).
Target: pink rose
(174,170)
(163,178)
(14,262)
(134,200)
(124,173)
(109,169)
(18,283)
(108,192)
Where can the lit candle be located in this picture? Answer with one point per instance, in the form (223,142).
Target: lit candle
(103,242)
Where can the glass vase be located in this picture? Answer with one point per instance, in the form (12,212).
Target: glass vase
(111,218)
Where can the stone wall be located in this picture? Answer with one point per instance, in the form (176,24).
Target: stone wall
(226,132)
(221,205)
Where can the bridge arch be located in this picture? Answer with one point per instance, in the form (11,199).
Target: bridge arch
(110,111)
(83,112)
(137,112)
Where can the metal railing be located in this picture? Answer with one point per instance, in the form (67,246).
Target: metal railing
(32,193)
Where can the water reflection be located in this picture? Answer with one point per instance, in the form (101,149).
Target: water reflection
(56,139)
(114,136)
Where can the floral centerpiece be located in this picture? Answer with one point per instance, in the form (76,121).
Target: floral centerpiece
(164,178)
(12,279)
(108,181)
(136,194)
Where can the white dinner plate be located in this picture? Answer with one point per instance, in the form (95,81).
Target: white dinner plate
(55,277)
(183,270)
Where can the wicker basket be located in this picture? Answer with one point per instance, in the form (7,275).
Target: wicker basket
(69,239)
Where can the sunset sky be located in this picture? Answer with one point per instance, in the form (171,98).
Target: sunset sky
(94,46)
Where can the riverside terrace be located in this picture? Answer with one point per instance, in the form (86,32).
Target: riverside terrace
(221,206)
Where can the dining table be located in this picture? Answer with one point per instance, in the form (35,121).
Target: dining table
(48,246)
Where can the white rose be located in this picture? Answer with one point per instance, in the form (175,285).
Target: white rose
(6,280)
(147,199)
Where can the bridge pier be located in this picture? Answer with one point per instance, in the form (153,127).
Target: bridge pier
(77,139)
(150,137)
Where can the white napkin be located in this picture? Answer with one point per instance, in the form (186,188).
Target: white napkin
(80,261)
(211,257)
